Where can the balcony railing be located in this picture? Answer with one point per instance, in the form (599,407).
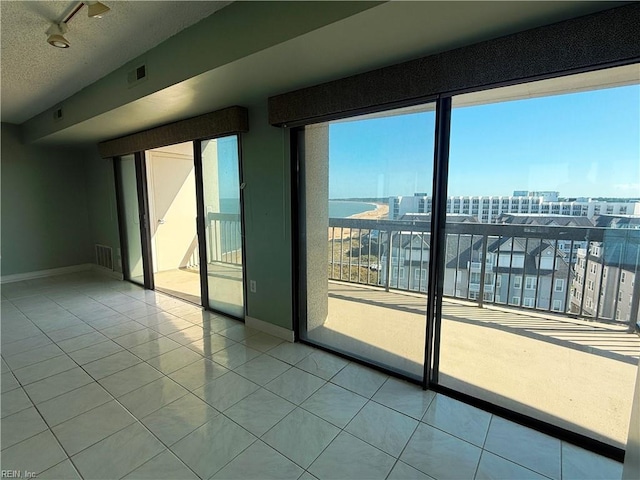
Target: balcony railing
(516,266)
(224,238)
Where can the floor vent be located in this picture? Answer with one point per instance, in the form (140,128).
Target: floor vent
(104,256)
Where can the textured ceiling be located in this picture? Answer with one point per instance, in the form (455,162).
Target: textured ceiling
(36,76)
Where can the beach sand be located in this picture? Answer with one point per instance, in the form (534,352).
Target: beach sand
(381,212)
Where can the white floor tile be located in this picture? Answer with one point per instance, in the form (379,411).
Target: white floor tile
(493,467)
(35,454)
(210,344)
(301,436)
(137,337)
(20,426)
(459,419)
(112,364)
(322,364)
(524,446)
(578,464)
(234,356)
(145,400)
(64,470)
(71,404)
(441,455)
(295,385)
(262,342)
(129,379)
(259,462)
(90,427)
(383,428)
(402,471)
(165,466)
(95,352)
(188,335)
(291,353)
(59,384)
(210,447)
(198,373)
(262,369)
(338,460)
(82,341)
(14,401)
(118,454)
(334,404)
(174,360)
(179,418)
(154,348)
(404,397)
(259,411)
(41,370)
(361,380)
(226,391)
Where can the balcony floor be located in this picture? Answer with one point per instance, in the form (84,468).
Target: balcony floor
(225,285)
(572,373)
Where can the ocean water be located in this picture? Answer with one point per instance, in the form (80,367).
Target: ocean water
(342,209)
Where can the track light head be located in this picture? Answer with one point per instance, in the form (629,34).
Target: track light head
(97,9)
(55,35)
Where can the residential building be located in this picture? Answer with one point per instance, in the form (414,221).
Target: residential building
(487,209)
(604,282)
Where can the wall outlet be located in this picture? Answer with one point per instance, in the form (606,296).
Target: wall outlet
(252,286)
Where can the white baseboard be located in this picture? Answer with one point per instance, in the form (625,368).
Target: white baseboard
(18,277)
(269,328)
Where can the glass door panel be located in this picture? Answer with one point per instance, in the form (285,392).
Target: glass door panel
(543,211)
(223,225)
(133,265)
(364,212)
(172,210)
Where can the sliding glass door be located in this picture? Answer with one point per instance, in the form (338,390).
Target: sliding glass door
(222,225)
(365,261)
(528,243)
(542,230)
(171,182)
(181,222)
(130,219)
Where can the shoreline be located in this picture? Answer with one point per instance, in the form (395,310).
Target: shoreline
(381,212)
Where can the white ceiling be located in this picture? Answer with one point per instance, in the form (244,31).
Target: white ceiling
(36,76)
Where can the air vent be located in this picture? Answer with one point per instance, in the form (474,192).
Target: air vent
(137,75)
(57,114)
(104,256)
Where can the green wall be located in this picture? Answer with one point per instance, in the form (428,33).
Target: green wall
(267,216)
(45,219)
(101,203)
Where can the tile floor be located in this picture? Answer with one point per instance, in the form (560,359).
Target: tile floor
(101,379)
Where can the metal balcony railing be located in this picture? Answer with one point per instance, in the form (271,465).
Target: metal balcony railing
(224,238)
(520,266)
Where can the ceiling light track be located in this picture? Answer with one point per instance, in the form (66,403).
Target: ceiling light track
(57,30)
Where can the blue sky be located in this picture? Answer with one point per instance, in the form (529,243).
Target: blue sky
(228,171)
(583,144)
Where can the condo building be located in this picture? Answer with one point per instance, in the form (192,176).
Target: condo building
(487,209)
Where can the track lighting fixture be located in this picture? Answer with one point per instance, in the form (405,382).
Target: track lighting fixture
(97,9)
(56,32)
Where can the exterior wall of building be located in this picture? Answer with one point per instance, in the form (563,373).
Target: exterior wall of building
(488,208)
